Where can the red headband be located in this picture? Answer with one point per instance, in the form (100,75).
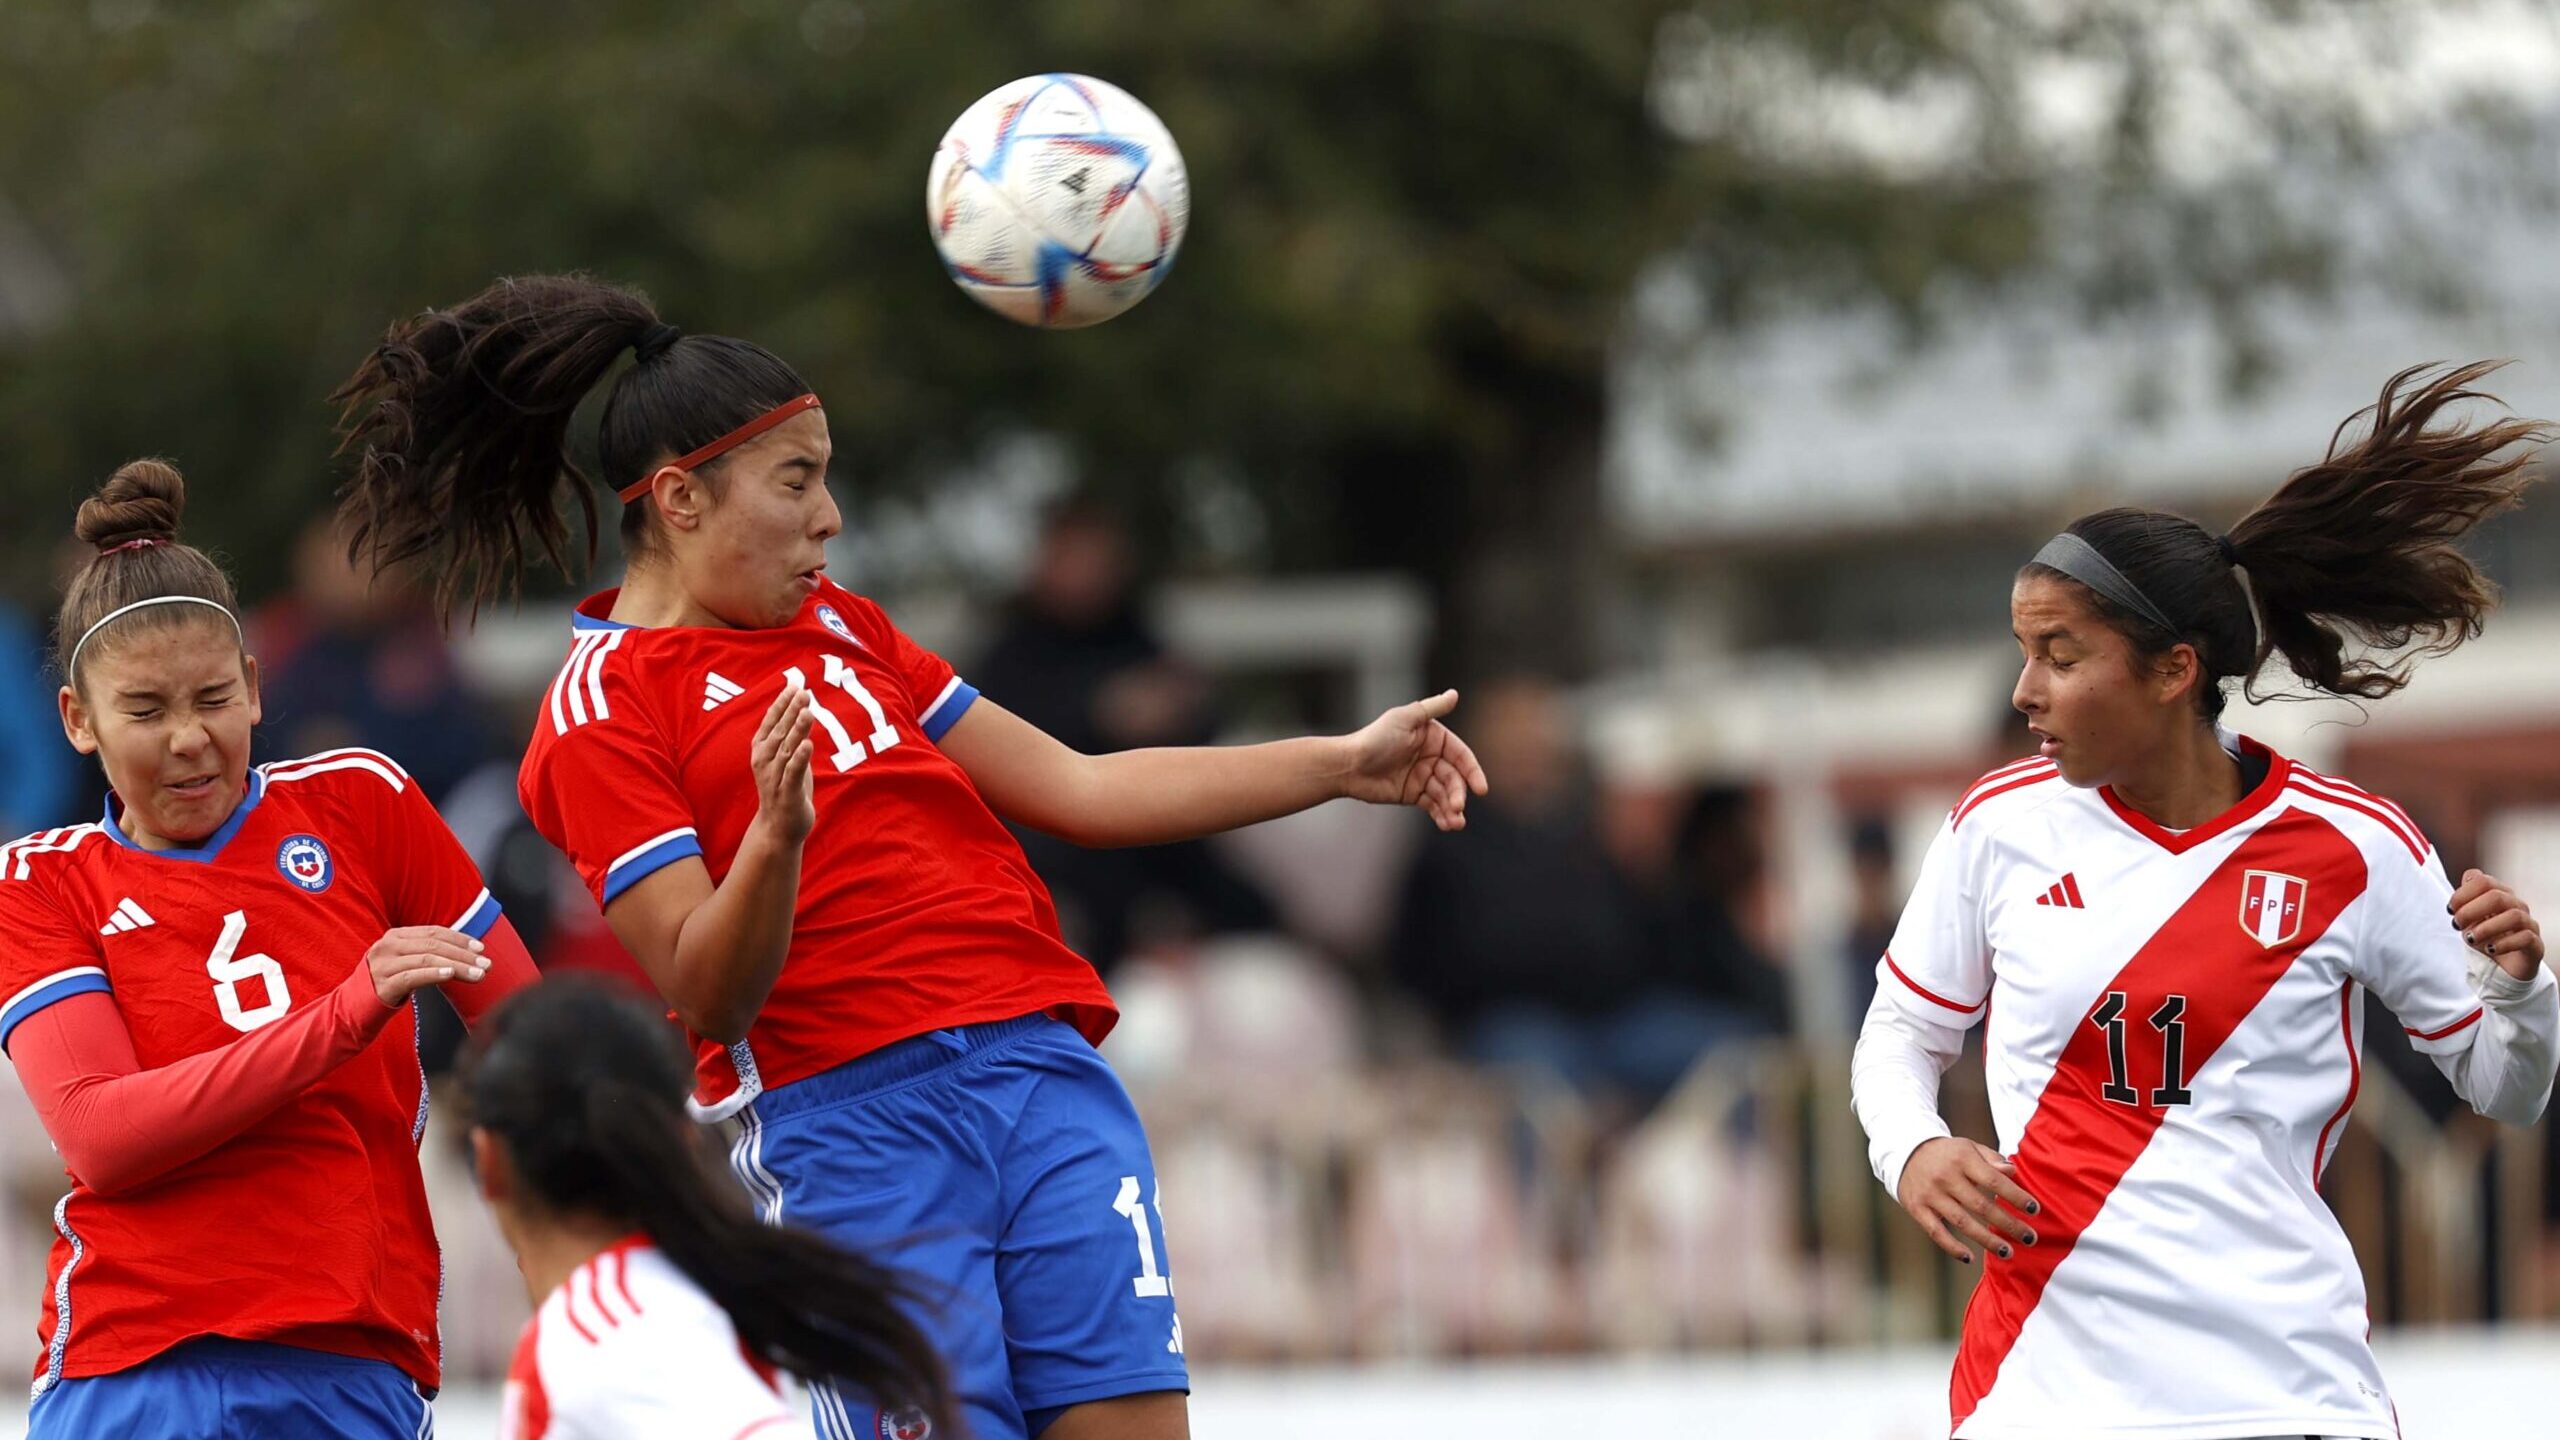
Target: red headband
(142,544)
(721,446)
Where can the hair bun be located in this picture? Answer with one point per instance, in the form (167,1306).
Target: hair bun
(141,501)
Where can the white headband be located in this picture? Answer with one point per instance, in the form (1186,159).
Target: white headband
(73,668)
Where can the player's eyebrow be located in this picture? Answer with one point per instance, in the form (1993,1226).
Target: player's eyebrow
(2058,632)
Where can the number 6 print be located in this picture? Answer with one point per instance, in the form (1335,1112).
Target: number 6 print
(227,974)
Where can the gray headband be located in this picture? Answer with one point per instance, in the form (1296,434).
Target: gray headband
(2081,561)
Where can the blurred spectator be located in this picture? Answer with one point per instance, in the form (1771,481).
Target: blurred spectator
(1528,944)
(1074,656)
(1711,955)
(40,784)
(348,661)
(1876,907)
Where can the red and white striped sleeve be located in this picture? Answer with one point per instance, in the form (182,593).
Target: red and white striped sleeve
(629,1349)
(1937,970)
(2495,1037)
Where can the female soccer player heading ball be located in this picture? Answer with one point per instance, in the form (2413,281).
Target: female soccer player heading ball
(2175,927)
(788,810)
(208,1003)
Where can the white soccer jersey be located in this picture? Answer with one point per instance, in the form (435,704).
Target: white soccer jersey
(628,1348)
(2171,1047)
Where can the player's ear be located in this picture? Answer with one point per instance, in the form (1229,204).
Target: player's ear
(681,498)
(249,687)
(2176,674)
(75,722)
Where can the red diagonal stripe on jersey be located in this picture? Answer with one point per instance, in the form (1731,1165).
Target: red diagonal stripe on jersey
(2079,1144)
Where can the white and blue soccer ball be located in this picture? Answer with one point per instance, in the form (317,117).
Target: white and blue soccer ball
(1058,200)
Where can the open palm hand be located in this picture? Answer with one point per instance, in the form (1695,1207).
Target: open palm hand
(1407,757)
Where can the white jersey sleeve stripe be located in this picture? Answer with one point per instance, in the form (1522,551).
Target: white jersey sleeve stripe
(644,847)
(54,988)
(298,771)
(576,682)
(482,917)
(343,752)
(560,683)
(595,674)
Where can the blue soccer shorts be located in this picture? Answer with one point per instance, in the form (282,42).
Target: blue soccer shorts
(217,1389)
(1003,1169)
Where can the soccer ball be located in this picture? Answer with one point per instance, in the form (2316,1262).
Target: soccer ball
(1057,200)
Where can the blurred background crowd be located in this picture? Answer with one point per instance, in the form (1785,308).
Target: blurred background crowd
(1683,383)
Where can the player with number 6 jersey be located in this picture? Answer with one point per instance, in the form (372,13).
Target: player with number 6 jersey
(2169,932)
(208,1001)
(790,814)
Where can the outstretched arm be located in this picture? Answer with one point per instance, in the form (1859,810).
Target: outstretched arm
(119,1126)
(1150,797)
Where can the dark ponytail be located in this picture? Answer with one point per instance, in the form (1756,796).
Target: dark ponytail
(133,524)
(458,423)
(2358,550)
(583,1087)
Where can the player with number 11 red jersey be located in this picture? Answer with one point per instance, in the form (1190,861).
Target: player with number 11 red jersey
(790,814)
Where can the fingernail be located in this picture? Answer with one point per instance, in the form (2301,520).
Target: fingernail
(477,947)
(1964,1259)
(2033,1207)
(2031,1239)
(444,972)
(2004,1252)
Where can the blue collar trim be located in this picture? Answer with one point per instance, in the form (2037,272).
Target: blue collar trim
(203,854)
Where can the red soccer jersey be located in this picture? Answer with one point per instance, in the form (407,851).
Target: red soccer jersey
(917,910)
(309,1228)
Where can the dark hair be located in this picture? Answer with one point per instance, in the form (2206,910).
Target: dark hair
(133,522)
(583,1087)
(459,425)
(2359,547)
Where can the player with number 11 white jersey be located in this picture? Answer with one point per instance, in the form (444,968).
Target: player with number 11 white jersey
(2175,1024)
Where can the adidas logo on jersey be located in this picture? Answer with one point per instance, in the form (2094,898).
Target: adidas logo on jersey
(719,690)
(2065,894)
(128,916)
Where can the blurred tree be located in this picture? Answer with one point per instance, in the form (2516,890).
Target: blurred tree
(1418,227)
